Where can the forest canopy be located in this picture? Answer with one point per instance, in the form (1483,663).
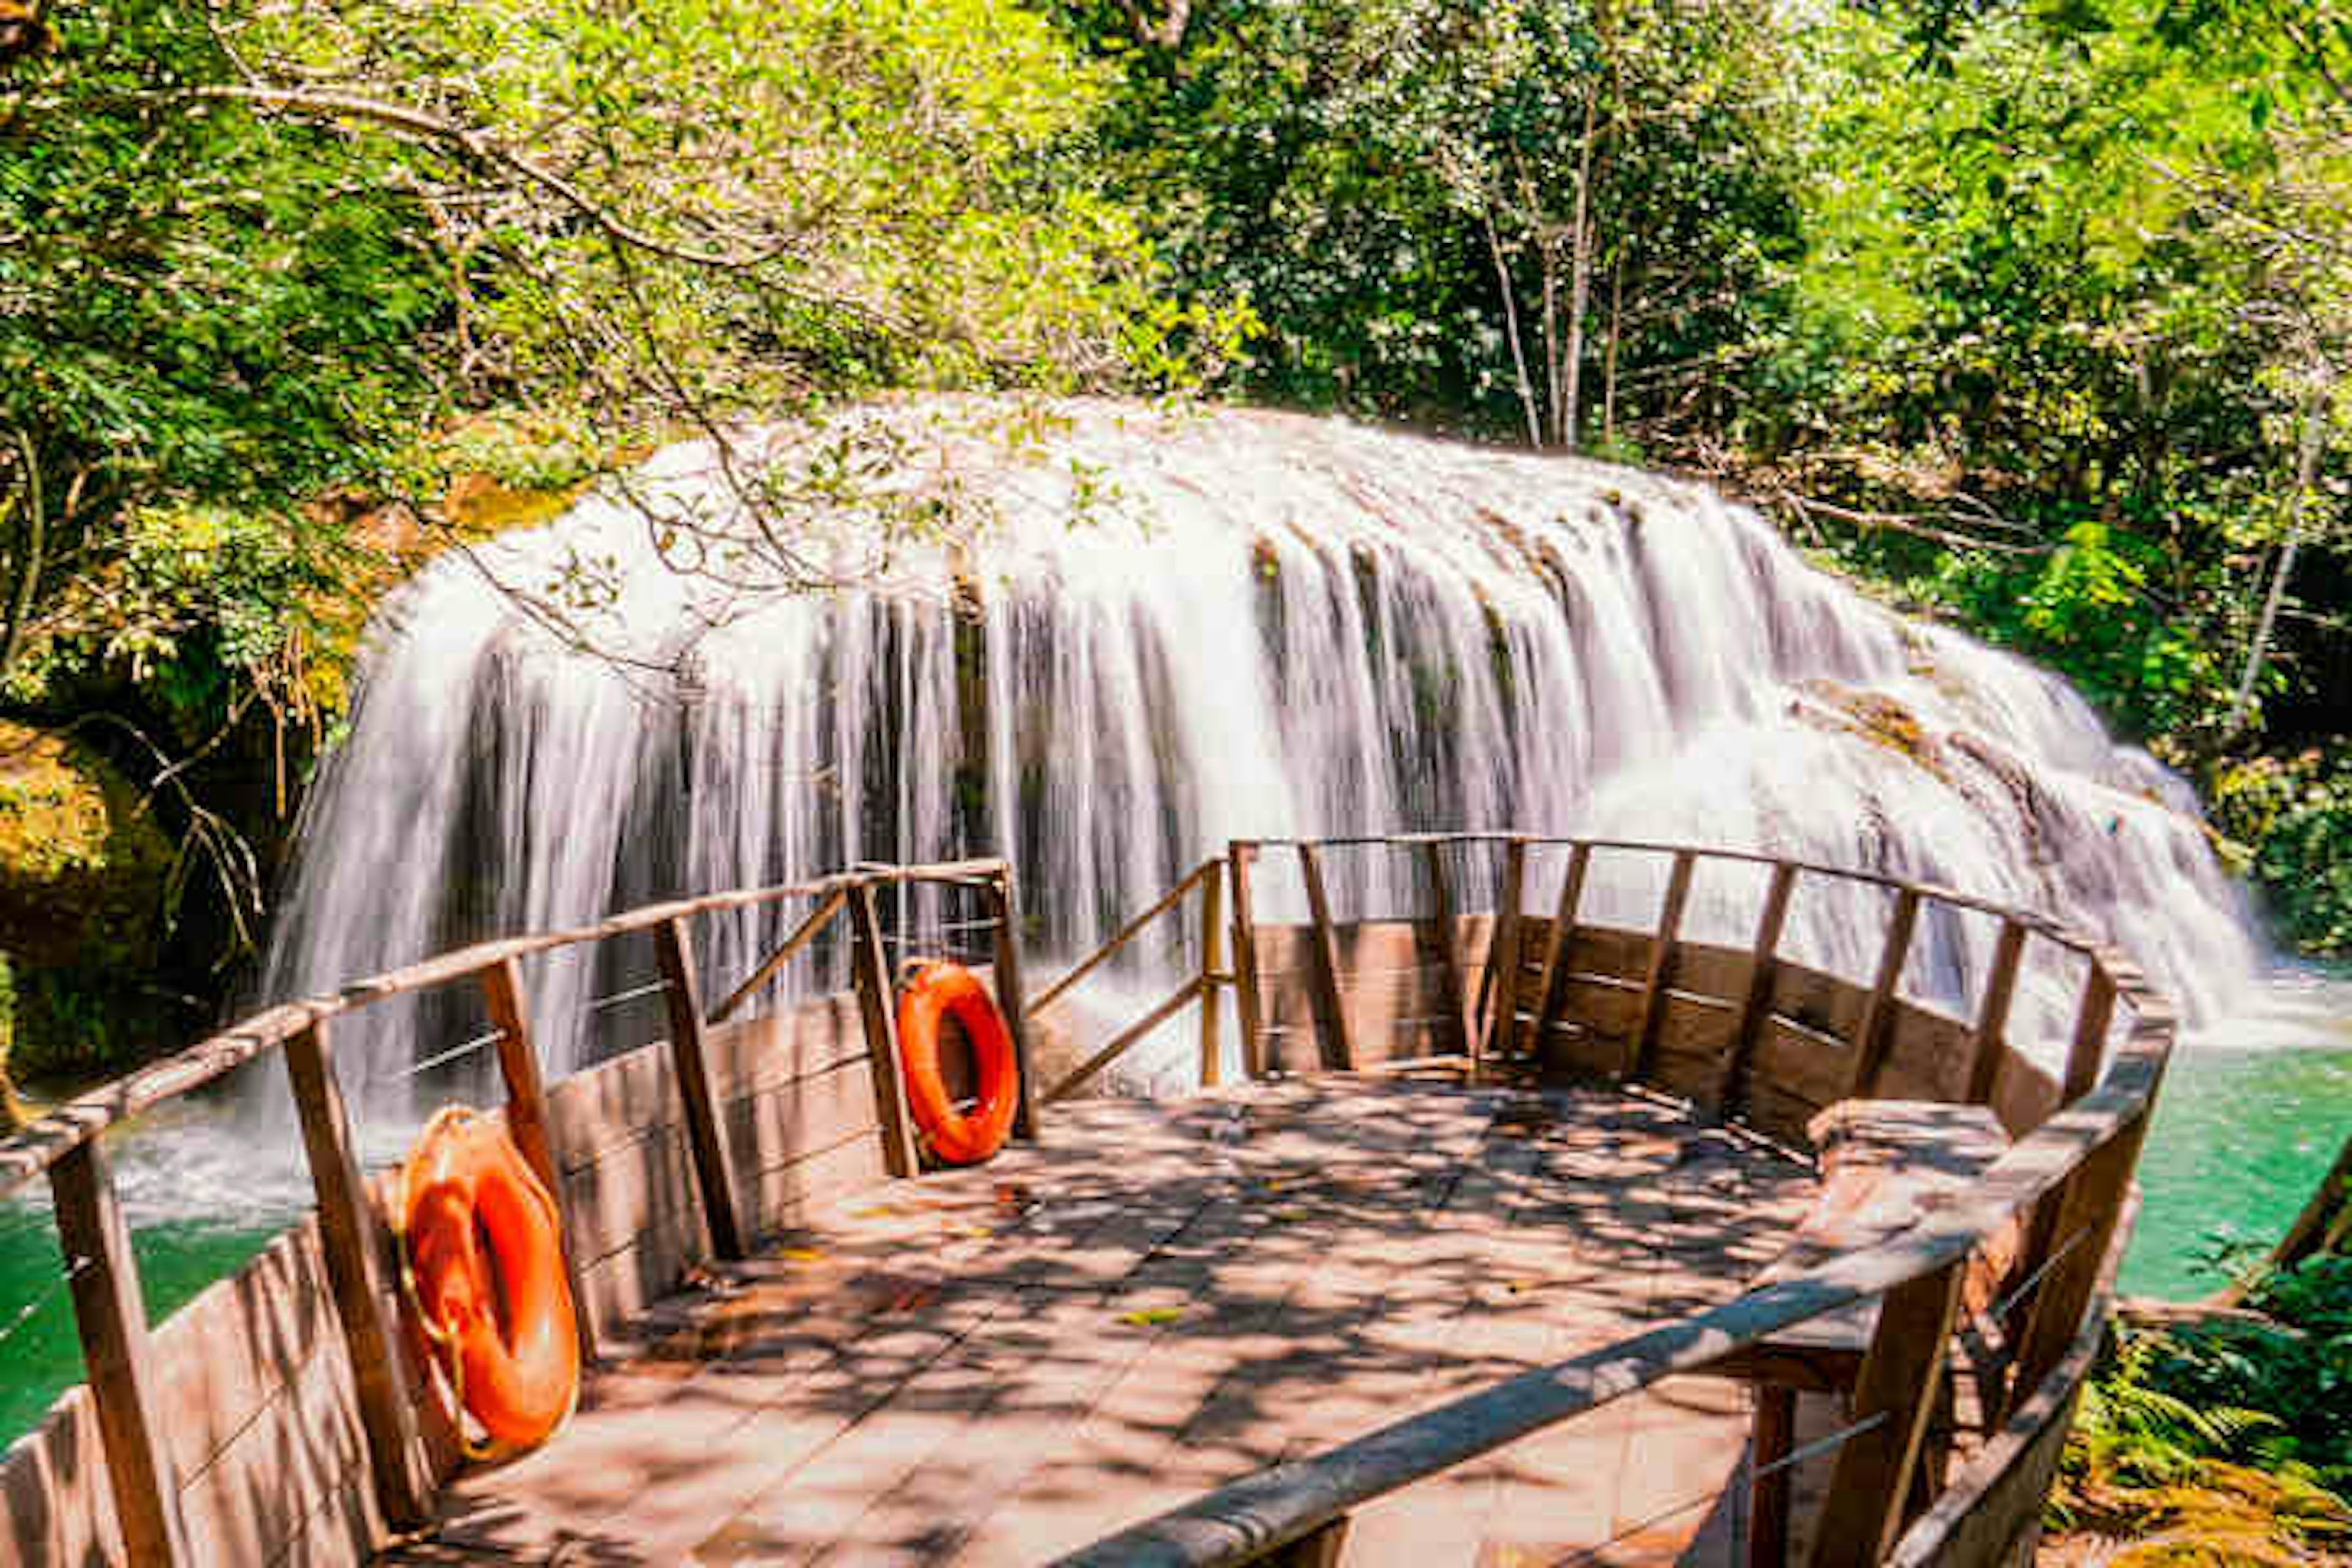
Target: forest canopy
(2035,314)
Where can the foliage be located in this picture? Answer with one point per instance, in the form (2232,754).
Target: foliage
(2294,814)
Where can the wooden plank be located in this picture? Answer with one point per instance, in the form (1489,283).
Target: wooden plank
(1560,942)
(1988,1038)
(801,935)
(1926,1055)
(1010,1001)
(1498,991)
(1662,964)
(876,1006)
(1247,1003)
(1213,964)
(1769,1490)
(2096,1011)
(352,1239)
(1085,1071)
(1611,954)
(1766,966)
(2085,1217)
(111,1321)
(1445,939)
(706,1133)
(525,1112)
(1871,1035)
(1338,1050)
(1897,1388)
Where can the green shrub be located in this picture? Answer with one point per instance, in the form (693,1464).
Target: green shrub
(2293,815)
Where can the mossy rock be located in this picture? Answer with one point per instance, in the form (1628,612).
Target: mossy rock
(83,873)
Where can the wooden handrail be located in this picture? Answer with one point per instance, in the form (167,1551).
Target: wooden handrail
(33,1148)
(1118,940)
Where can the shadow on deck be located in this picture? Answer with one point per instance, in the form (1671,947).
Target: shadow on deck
(999,1364)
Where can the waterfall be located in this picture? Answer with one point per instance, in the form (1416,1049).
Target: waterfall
(1142,633)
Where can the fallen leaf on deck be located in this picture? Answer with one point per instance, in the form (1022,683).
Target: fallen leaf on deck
(1151,1317)
(800,1255)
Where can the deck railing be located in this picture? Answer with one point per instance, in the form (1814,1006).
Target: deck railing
(2065,1181)
(94,1238)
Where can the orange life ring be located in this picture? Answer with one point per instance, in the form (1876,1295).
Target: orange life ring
(483,1263)
(958,1137)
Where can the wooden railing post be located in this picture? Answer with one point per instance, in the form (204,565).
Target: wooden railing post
(1895,1393)
(1763,970)
(1010,999)
(1213,977)
(1446,934)
(2096,1011)
(706,1127)
(1987,1043)
(1498,996)
(111,1320)
(2080,1217)
(1339,1046)
(1560,957)
(1321,1548)
(526,1110)
(1873,1036)
(875,1005)
(352,1239)
(1662,966)
(1238,854)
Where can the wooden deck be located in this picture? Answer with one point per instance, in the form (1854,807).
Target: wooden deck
(997,1365)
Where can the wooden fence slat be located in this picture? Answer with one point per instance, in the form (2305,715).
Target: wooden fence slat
(1662,964)
(706,1129)
(1445,938)
(1102,1059)
(1498,992)
(877,1005)
(111,1320)
(1989,1038)
(2082,1216)
(1339,1047)
(803,934)
(1559,958)
(1006,897)
(1247,1004)
(1764,967)
(1213,964)
(1120,938)
(350,1238)
(1902,1375)
(1873,1036)
(526,1110)
(2092,1017)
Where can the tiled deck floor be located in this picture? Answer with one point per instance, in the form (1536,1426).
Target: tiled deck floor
(997,1365)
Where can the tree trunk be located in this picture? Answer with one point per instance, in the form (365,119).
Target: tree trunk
(2306,475)
(28,565)
(1565,419)
(1609,371)
(1511,326)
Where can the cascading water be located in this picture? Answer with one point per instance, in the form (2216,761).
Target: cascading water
(1154,632)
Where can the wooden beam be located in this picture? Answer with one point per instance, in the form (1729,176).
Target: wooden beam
(1901,1374)
(1662,965)
(1769,1485)
(1446,933)
(1246,1003)
(526,1110)
(1010,1001)
(351,1239)
(706,1127)
(2082,1216)
(1764,968)
(1213,964)
(1331,1004)
(111,1320)
(803,934)
(1873,1036)
(1120,938)
(2096,1011)
(1324,1548)
(1102,1059)
(877,1005)
(1560,958)
(1989,1038)
(1498,994)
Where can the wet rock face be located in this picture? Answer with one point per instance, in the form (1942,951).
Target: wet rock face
(83,876)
